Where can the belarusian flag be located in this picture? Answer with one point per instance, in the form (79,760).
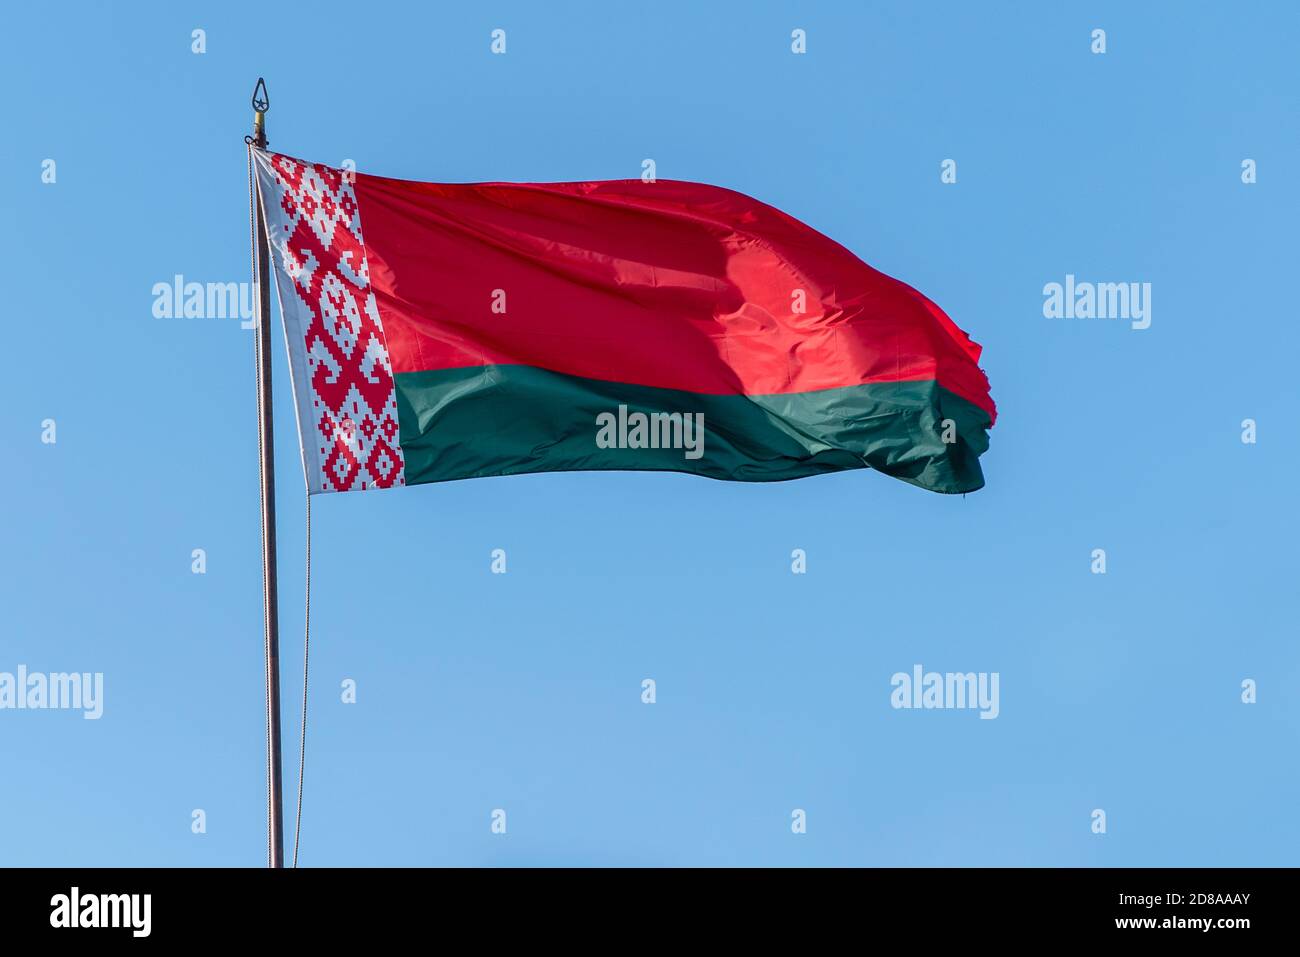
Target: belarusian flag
(447,331)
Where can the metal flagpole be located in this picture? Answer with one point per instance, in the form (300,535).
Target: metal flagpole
(266,450)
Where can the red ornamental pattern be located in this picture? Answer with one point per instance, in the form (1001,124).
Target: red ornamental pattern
(317,233)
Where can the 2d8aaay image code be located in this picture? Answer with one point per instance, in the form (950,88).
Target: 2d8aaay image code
(1186,918)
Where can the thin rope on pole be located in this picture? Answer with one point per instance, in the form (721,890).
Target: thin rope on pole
(306,648)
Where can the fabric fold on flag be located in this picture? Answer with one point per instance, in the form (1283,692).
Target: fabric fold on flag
(447,331)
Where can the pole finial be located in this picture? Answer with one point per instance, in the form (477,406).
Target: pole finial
(261,103)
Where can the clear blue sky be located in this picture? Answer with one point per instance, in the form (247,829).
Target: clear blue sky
(523,692)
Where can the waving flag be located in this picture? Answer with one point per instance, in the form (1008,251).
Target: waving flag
(448,331)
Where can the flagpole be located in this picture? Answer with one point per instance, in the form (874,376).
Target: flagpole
(266,454)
